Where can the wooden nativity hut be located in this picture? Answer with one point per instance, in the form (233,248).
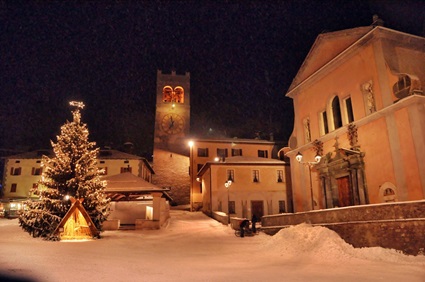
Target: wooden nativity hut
(76,224)
(135,203)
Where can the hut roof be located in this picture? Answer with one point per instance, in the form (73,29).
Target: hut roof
(127,186)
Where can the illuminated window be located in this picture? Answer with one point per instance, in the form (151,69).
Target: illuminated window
(231,175)
(15,171)
(279,175)
(202,152)
(167,94)
(263,154)
(13,187)
(179,94)
(36,171)
(173,95)
(236,152)
(255,175)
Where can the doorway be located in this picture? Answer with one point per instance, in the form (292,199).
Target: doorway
(257,208)
(344,192)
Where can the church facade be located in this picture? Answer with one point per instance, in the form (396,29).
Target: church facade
(367,122)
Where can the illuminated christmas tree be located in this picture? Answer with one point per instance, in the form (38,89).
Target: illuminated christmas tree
(72,172)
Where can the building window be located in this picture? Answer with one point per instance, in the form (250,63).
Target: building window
(222,153)
(279,176)
(15,171)
(36,171)
(263,154)
(126,169)
(255,175)
(167,94)
(202,152)
(336,113)
(126,162)
(231,175)
(17,161)
(179,94)
(236,152)
(13,188)
(349,109)
(102,162)
(324,123)
(232,208)
(282,207)
(38,161)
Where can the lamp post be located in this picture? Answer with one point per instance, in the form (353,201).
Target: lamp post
(227,184)
(317,158)
(191,143)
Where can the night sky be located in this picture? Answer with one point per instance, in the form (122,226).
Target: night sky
(242,56)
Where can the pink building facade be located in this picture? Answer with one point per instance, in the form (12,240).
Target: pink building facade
(359,104)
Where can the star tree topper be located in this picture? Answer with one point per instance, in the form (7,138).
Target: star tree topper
(79,105)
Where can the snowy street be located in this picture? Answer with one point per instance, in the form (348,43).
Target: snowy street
(196,248)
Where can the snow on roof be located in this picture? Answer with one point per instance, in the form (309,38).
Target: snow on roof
(129,182)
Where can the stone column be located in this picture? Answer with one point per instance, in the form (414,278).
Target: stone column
(156,205)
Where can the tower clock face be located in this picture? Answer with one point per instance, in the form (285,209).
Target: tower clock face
(172,123)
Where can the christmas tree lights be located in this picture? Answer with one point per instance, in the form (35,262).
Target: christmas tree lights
(72,172)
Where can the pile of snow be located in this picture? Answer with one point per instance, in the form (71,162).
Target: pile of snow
(321,242)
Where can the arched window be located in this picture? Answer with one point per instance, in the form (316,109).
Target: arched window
(336,113)
(167,94)
(173,95)
(179,94)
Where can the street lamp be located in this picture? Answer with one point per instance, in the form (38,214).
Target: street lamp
(317,158)
(191,143)
(227,184)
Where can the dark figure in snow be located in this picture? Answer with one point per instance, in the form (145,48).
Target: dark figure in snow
(244,224)
(254,221)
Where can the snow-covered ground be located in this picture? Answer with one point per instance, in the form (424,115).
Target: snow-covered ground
(194,247)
